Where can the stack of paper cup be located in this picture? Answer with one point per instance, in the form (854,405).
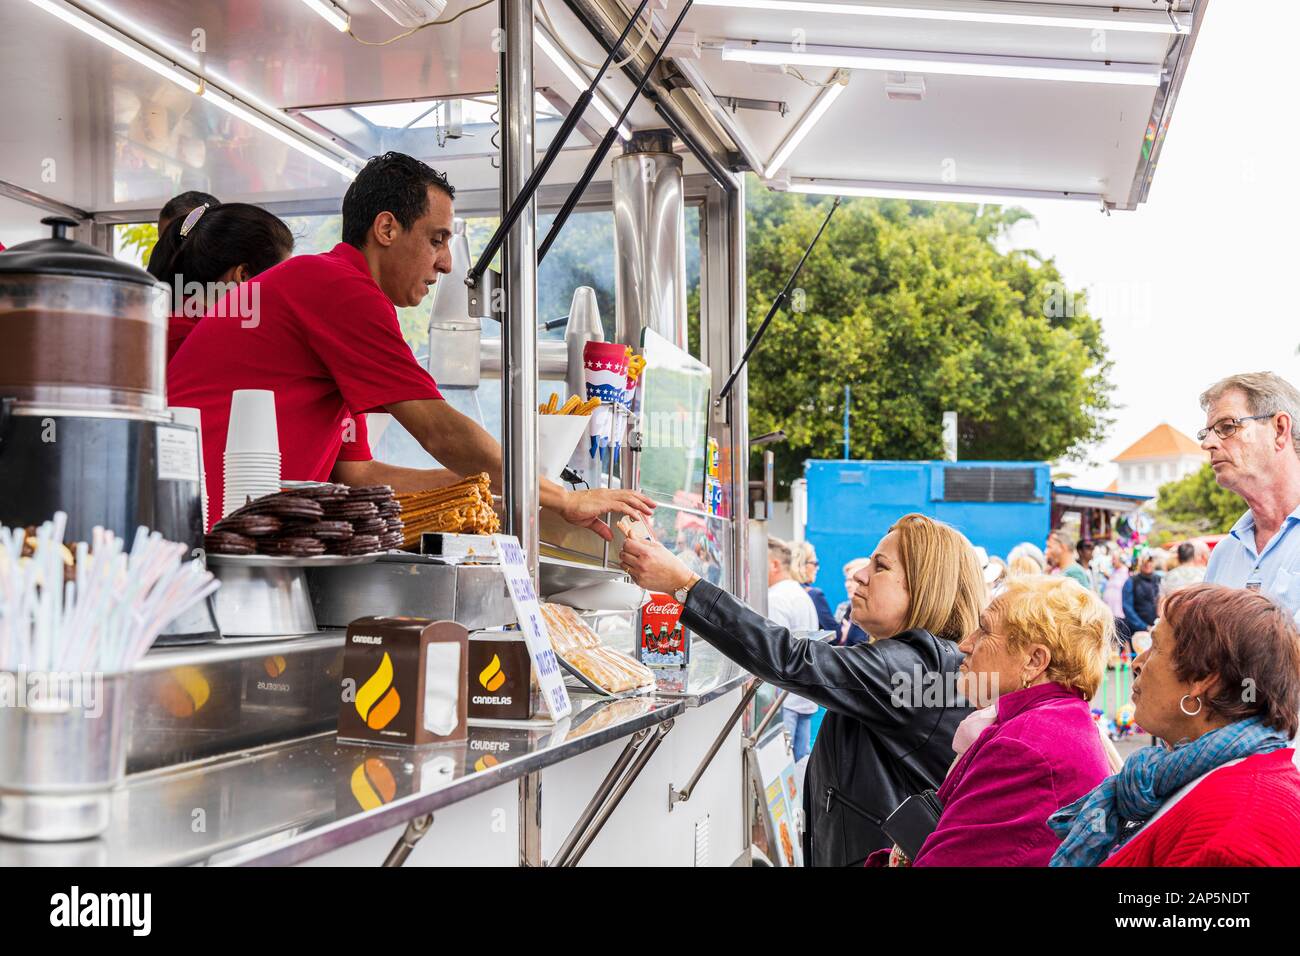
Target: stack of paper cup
(252,448)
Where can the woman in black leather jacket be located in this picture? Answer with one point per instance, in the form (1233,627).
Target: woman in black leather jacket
(893,705)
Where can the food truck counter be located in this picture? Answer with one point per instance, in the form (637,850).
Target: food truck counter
(291,800)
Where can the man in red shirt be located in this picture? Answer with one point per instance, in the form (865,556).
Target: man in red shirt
(323,335)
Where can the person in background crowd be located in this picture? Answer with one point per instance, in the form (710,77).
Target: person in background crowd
(790,607)
(1141,596)
(882,741)
(222,246)
(1086,551)
(1113,593)
(1186,572)
(1253,439)
(178,207)
(995,574)
(1061,557)
(1225,791)
(1026,558)
(1032,665)
(803,568)
(849,632)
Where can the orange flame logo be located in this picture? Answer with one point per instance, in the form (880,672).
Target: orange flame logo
(377,701)
(484,762)
(274,666)
(492,676)
(184,691)
(373,784)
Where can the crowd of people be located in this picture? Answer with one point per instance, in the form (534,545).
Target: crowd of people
(956,686)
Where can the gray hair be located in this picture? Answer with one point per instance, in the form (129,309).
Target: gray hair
(1266,394)
(781,551)
(1030,551)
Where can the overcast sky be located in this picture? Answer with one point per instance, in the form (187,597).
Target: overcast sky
(1194,284)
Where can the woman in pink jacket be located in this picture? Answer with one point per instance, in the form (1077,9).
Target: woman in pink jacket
(1036,659)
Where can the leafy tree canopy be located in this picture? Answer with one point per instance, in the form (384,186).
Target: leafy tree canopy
(1195,505)
(915,307)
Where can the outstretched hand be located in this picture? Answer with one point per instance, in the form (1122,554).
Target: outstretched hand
(587,509)
(654,567)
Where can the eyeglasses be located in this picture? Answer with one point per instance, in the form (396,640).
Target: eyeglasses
(1227,427)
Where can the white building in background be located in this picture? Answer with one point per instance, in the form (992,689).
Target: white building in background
(1161,455)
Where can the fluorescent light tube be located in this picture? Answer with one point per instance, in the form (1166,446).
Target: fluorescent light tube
(122,44)
(955,64)
(985,11)
(575,77)
(129,47)
(252,118)
(828,95)
(934,192)
(331,13)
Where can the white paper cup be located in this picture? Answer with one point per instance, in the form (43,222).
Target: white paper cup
(557,436)
(252,422)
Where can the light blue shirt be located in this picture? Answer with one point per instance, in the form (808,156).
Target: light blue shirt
(1275,571)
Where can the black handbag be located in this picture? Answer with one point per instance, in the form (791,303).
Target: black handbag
(913,821)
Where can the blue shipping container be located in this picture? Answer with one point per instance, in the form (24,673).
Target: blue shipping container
(851,504)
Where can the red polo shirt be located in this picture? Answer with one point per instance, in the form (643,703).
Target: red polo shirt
(324,338)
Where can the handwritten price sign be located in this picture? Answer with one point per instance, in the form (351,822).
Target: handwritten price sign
(529,613)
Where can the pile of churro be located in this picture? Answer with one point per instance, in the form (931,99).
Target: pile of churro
(462,508)
(574,406)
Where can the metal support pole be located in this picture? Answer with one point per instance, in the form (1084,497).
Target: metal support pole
(676,796)
(530,819)
(767,718)
(616,798)
(413,834)
(599,797)
(519,272)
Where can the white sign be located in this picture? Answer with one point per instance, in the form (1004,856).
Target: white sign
(178,454)
(949,436)
(524,597)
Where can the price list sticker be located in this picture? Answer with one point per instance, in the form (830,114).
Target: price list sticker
(523,596)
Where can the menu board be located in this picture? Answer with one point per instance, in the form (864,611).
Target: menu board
(528,611)
(774,768)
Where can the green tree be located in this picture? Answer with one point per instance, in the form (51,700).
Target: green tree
(915,307)
(139,238)
(1195,505)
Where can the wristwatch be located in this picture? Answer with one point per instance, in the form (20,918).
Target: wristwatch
(680,594)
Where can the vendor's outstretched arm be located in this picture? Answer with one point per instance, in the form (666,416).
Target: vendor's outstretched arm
(464,446)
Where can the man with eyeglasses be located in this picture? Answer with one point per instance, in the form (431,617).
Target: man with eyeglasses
(1252,432)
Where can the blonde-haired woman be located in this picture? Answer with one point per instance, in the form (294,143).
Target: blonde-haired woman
(803,568)
(1036,658)
(893,705)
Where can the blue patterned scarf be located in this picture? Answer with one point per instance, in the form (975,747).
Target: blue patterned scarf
(1093,826)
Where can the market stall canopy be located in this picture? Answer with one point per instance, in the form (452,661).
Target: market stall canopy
(112,116)
(1077,498)
(957,99)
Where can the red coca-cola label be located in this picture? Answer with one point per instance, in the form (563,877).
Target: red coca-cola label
(662,640)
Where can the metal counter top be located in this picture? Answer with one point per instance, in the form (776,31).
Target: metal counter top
(288,801)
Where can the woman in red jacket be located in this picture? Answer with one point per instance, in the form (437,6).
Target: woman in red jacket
(1221,681)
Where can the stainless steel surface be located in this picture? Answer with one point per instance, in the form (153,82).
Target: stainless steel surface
(676,796)
(289,802)
(279,561)
(728,213)
(474,595)
(29,197)
(552,358)
(262,601)
(649,240)
(530,819)
(519,262)
(629,777)
(584,326)
(598,798)
(62,751)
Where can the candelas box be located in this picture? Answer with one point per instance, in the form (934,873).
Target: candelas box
(501,677)
(662,639)
(404,681)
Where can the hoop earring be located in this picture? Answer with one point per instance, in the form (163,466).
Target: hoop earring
(1182,705)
